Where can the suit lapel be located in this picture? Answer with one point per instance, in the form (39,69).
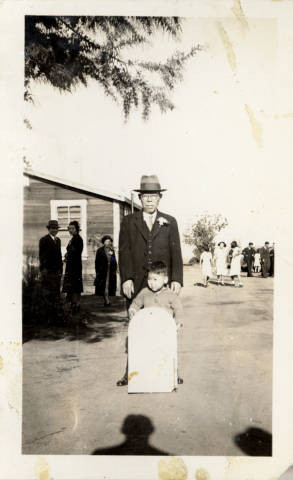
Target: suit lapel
(51,239)
(54,242)
(157,227)
(141,225)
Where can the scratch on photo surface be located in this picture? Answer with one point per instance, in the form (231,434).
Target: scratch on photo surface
(228,46)
(75,413)
(256,127)
(45,436)
(172,468)
(239,14)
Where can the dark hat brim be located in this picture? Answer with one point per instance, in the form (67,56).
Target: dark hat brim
(53,225)
(151,191)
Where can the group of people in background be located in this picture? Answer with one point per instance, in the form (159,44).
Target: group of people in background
(257,260)
(150,261)
(51,268)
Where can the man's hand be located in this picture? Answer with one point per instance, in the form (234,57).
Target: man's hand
(175,287)
(128,288)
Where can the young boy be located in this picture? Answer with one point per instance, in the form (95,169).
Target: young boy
(157,294)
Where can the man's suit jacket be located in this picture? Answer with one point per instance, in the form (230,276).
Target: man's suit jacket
(249,253)
(264,253)
(50,254)
(135,251)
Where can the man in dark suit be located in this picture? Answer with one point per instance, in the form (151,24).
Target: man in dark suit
(249,253)
(272,260)
(51,266)
(148,236)
(265,260)
(145,237)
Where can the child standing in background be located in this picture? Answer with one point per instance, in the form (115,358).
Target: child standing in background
(206,264)
(257,265)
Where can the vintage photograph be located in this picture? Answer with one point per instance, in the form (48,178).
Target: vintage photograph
(148,240)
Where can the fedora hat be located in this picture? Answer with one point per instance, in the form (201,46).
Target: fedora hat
(150,183)
(53,224)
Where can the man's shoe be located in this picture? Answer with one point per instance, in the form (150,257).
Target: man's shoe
(179,380)
(122,382)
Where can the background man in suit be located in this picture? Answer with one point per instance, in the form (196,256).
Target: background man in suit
(51,267)
(265,260)
(272,260)
(249,253)
(145,237)
(148,236)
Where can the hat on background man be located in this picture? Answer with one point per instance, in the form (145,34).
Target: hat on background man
(150,183)
(53,224)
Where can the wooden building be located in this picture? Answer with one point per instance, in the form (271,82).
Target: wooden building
(97,211)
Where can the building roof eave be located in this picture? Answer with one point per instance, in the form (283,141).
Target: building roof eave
(77,186)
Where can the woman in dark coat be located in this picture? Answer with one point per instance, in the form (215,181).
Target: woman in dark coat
(72,284)
(106,268)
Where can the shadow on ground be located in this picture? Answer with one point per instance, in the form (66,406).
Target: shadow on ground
(255,442)
(94,323)
(137,430)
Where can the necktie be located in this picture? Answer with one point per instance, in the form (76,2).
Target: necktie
(150,222)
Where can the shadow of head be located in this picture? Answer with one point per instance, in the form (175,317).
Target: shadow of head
(137,426)
(137,430)
(255,442)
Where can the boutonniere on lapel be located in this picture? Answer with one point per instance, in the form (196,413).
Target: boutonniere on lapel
(162,221)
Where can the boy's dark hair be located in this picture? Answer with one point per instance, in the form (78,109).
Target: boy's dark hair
(158,267)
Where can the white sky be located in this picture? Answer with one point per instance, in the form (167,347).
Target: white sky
(204,151)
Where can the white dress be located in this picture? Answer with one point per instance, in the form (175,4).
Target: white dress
(235,268)
(205,261)
(221,261)
(257,260)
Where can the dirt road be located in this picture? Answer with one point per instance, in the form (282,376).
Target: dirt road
(71,404)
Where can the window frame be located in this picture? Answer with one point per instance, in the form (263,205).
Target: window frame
(82,203)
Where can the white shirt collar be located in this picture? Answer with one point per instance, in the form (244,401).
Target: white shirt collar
(146,215)
(53,238)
